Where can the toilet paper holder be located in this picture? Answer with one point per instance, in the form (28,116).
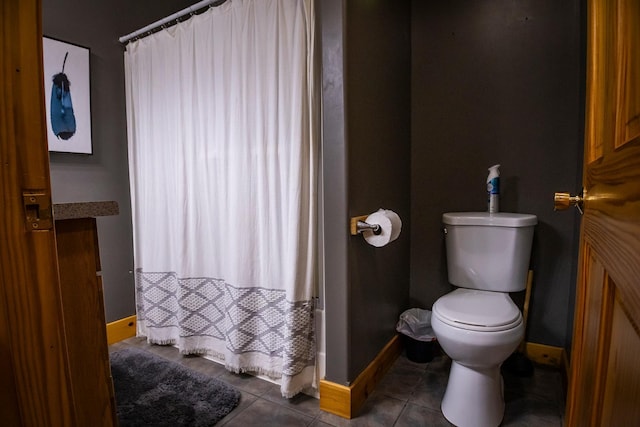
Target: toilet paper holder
(359,225)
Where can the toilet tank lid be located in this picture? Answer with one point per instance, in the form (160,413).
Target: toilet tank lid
(500,219)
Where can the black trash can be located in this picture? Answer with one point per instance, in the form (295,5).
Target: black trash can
(418,351)
(417,335)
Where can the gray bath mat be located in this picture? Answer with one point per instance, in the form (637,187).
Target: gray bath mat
(152,391)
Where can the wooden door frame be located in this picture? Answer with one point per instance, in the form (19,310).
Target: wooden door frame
(33,354)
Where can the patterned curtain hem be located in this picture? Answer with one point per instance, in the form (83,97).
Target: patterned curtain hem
(248,329)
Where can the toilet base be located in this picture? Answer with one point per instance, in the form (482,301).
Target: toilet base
(474,396)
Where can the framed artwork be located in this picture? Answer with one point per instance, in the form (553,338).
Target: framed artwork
(67,88)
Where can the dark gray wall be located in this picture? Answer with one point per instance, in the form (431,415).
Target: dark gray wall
(331,15)
(498,81)
(366,155)
(97,24)
(378,58)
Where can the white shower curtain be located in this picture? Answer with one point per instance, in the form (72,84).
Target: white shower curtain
(222,160)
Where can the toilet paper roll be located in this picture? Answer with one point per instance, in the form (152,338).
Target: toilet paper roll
(390,223)
(396,224)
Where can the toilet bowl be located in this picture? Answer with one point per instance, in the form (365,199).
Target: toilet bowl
(477,341)
(478,325)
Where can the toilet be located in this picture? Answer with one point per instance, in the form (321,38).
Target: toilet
(478,325)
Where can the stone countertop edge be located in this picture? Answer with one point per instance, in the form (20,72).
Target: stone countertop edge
(84,210)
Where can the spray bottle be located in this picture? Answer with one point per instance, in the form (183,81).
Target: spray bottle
(493,189)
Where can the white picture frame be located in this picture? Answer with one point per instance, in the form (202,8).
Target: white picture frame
(69,131)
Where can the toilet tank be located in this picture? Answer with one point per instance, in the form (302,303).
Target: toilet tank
(488,251)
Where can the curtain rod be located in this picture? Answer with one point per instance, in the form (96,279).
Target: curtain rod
(186,11)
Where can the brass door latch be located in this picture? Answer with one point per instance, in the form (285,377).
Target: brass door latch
(563,201)
(38,213)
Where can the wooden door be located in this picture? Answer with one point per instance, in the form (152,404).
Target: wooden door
(35,388)
(604,383)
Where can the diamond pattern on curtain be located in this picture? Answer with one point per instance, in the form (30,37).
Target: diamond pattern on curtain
(250,319)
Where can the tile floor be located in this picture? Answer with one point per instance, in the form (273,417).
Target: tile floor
(409,395)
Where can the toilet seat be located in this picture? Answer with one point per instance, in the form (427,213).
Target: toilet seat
(477,310)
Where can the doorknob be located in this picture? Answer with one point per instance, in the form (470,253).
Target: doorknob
(562,201)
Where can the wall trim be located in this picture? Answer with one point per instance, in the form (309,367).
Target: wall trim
(545,354)
(346,401)
(556,357)
(121,329)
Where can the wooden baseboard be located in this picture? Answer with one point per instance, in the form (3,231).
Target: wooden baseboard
(335,398)
(121,329)
(346,401)
(545,354)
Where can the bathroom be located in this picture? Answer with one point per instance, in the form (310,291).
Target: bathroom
(420,98)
